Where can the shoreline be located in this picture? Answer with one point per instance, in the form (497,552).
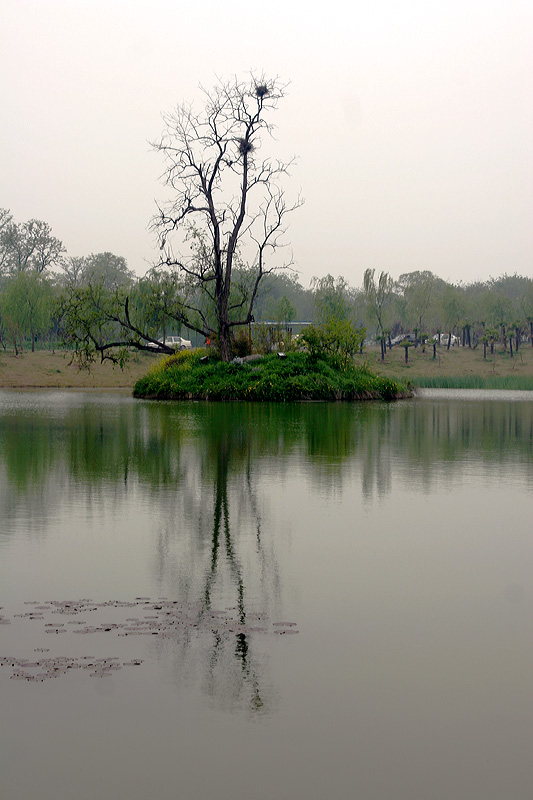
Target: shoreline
(47,370)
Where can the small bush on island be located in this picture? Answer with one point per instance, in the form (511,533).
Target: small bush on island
(337,338)
(295,377)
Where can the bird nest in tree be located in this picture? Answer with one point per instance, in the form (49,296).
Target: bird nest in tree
(244,146)
(261,90)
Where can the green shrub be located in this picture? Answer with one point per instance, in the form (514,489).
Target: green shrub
(336,338)
(241,343)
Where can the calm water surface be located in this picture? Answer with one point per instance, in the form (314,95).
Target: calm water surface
(396,540)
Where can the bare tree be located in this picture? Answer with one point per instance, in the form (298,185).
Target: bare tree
(227,203)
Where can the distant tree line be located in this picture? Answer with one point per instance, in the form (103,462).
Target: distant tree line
(97,306)
(421,304)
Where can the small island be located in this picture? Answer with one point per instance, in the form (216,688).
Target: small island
(276,377)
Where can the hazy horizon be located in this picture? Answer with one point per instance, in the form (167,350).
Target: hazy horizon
(412,125)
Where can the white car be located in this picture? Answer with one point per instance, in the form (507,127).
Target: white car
(175,341)
(178,342)
(402,338)
(444,339)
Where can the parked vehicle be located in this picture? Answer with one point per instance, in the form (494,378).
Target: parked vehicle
(178,342)
(444,340)
(404,337)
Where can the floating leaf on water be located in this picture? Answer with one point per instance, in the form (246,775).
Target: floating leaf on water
(177,618)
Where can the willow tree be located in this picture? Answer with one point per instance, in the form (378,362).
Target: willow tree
(226,208)
(376,294)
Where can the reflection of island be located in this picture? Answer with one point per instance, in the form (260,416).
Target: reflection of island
(46,447)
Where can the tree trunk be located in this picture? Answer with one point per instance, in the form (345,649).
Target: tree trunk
(224,341)
(449,340)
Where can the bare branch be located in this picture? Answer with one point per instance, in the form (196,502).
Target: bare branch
(227,200)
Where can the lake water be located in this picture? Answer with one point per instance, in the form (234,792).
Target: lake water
(297,601)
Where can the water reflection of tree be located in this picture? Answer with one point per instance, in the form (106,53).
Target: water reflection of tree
(229,563)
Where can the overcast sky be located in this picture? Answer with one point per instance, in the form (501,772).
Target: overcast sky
(412,123)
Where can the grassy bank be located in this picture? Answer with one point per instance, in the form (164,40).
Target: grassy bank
(44,369)
(457,368)
(297,377)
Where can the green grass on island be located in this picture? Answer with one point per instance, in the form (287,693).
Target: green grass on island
(295,377)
